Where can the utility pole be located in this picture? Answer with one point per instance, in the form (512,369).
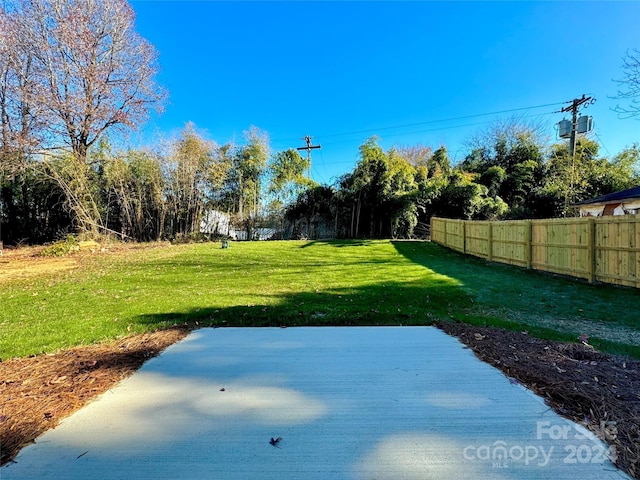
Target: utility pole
(576,103)
(308,148)
(574,106)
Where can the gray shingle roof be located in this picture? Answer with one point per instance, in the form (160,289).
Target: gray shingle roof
(614,197)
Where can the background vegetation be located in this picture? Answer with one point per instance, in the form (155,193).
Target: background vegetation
(166,194)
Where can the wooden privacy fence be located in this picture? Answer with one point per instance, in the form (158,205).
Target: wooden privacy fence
(603,249)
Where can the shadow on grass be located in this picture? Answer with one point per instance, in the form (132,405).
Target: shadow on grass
(513,297)
(391,303)
(453,286)
(495,285)
(338,243)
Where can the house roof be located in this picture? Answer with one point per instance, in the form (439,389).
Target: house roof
(628,194)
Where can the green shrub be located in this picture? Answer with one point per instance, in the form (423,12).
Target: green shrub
(62,247)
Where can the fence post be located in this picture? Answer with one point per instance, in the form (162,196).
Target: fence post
(490,238)
(591,250)
(633,257)
(464,237)
(528,252)
(444,242)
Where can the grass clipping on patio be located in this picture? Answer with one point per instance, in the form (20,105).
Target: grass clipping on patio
(36,393)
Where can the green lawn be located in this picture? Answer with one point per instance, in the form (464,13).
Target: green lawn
(304,283)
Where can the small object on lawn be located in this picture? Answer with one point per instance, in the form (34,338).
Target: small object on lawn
(584,339)
(275,441)
(225,243)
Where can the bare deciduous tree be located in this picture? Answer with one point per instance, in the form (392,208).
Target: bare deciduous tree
(629,85)
(81,69)
(21,118)
(417,155)
(97,71)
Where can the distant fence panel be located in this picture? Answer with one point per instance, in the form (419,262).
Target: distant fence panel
(511,243)
(604,249)
(477,239)
(454,235)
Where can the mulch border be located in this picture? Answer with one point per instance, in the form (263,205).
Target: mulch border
(597,390)
(37,392)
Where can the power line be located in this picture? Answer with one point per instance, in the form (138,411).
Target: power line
(601,142)
(414,132)
(370,130)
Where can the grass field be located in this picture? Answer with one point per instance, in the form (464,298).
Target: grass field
(303,283)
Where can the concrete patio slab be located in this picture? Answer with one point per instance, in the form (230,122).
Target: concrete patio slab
(357,403)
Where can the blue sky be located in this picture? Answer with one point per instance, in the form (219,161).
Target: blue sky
(344,71)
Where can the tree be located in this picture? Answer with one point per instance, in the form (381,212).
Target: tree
(136,195)
(379,190)
(502,135)
(463,198)
(85,70)
(287,175)
(311,213)
(287,181)
(439,164)
(369,178)
(415,155)
(508,158)
(244,182)
(567,179)
(97,71)
(190,163)
(22,118)
(629,85)
(21,121)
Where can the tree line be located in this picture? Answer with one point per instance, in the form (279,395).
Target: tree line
(510,172)
(75,72)
(166,193)
(147,195)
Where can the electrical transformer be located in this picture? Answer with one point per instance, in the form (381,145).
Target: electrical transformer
(585,124)
(564,128)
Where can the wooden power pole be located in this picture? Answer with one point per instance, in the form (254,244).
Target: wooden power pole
(574,106)
(576,103)
(308,148)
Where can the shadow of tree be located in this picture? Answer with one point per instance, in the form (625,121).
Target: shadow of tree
(389,303)
(338,243)
(504,290)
